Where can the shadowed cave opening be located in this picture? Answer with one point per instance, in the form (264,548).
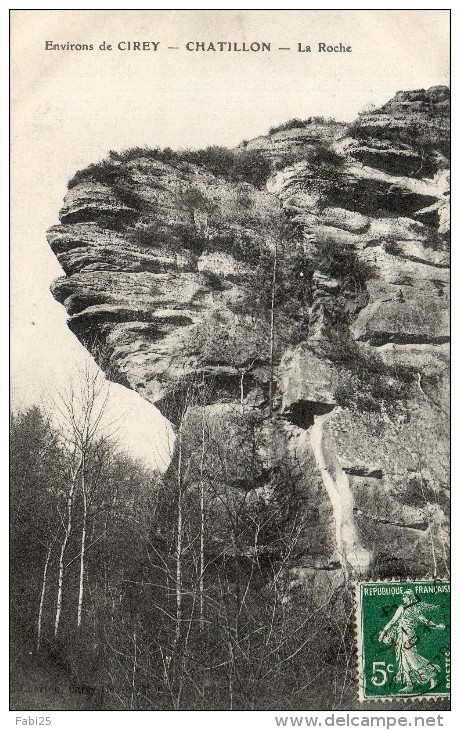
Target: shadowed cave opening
(302,413)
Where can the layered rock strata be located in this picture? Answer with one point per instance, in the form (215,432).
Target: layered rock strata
(166,267)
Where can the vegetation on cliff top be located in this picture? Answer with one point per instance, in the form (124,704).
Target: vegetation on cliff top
(297,123)
(238,166)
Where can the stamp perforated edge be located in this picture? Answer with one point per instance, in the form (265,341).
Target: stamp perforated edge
(356,593)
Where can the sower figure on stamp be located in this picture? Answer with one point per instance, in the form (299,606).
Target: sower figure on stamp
(401,630)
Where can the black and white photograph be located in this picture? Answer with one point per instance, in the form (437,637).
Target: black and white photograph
(230,363)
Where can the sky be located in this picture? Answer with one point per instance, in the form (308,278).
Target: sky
(69,108)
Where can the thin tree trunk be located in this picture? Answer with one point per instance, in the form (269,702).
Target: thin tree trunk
(42,597)
(202,522)
(83,543)
(179,540)
(433,551)
(68,530)
(427,510)
(272,330)
(133,675)
(231,665)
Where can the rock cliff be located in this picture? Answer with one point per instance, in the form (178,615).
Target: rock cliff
(293,294)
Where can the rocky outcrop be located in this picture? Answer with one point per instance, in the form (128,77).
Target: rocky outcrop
(308,385)
(287,144)
(141,298)
(93,201)
(409,133)
(330,414)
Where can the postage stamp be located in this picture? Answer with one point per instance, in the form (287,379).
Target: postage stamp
(403,634)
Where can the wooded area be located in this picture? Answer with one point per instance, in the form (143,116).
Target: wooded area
(152,591)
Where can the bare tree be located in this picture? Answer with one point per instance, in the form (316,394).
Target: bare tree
(202,517)
(272,328)
(73,475)
(81,409)
(42,596)
(179,535)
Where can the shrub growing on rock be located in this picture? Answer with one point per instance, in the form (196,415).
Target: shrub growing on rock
(252,167)
(325,155)
(366,382)
(174,237)
(300,123)
(392,247)
(113,222)
(239,244)
(105,172)
(292,157)
(343,264)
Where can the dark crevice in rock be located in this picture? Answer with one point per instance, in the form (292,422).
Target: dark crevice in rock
(245,365)
(364,471)
(429,216)
(122,314)
(418,260)
(400,161)
(302,413)
(227,382)
(421,526)
(92,214)
(219,386)
(61,245)
(403,338)
(370,197)
(75,304)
